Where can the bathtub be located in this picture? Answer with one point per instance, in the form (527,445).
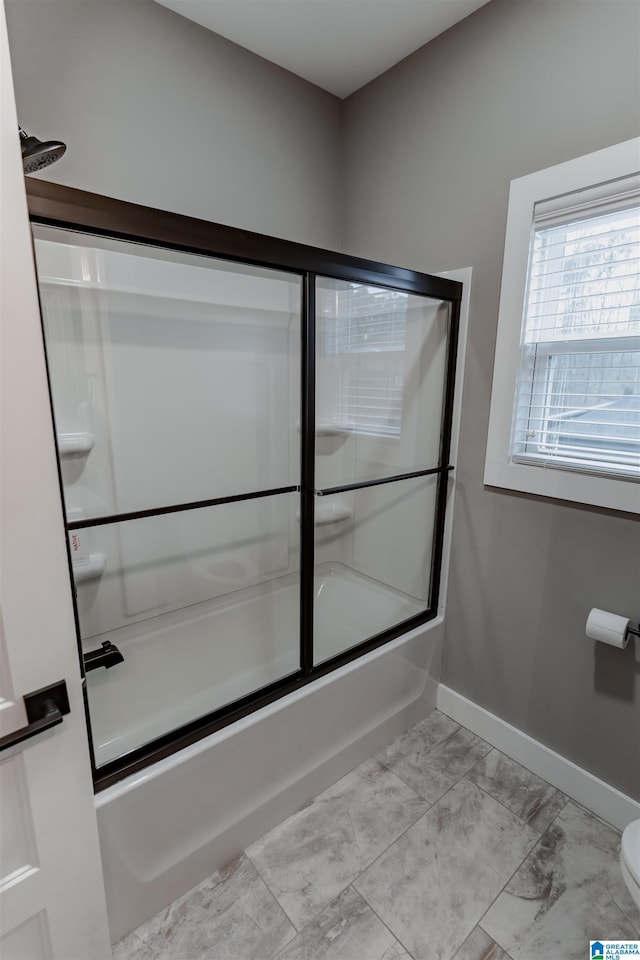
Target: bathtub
(166,828)
(189,662)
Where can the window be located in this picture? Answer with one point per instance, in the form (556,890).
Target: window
(368,332)
(578,401)
(566,391)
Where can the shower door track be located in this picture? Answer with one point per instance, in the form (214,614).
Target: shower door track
(78,211)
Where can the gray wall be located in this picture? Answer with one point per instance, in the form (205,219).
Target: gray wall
(157,110)
(431,148)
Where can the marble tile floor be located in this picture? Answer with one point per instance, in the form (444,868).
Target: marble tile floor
(437,848)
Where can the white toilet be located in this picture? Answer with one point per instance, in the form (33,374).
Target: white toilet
(630,859)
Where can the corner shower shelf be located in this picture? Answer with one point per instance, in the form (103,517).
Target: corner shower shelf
(325,428)
(91,570)
(326,513)
(331,428)
(74,444)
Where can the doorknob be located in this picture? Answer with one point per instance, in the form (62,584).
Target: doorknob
(45,709)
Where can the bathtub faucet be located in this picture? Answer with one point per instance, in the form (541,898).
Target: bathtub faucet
(107,656)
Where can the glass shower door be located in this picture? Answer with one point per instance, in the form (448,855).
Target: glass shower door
(253,438)
(381,369)
(176,389)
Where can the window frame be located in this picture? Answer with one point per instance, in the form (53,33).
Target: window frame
(558,480)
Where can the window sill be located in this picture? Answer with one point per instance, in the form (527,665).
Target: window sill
(615,493)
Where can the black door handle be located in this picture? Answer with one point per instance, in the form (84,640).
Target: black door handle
(45,709)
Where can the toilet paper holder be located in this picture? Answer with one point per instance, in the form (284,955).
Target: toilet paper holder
(610,628)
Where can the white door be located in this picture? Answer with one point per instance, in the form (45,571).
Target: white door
(51,889)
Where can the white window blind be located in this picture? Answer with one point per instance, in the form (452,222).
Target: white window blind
(578,395)
(368,332)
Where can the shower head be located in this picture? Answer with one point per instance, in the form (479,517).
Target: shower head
(36,155)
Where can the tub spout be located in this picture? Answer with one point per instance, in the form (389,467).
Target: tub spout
(107,656)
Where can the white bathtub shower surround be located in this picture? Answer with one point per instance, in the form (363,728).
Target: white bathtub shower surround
(145,348)
(182,665)
(165,829)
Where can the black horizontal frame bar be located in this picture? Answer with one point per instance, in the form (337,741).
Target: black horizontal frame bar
(380,480)
(177,508)
(57,205)
(236,498)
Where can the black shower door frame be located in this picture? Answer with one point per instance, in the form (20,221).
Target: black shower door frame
(64,207)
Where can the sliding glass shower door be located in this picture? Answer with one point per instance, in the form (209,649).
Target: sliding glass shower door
(381,370)
(253,439)
(176,390)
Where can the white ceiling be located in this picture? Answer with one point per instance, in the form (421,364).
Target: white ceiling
(337,44)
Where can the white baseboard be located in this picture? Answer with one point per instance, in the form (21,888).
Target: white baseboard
(594,794)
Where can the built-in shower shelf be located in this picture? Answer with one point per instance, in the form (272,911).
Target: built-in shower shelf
(91,569)
(325,428)
(326,513)
(75,444)
(330,428)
